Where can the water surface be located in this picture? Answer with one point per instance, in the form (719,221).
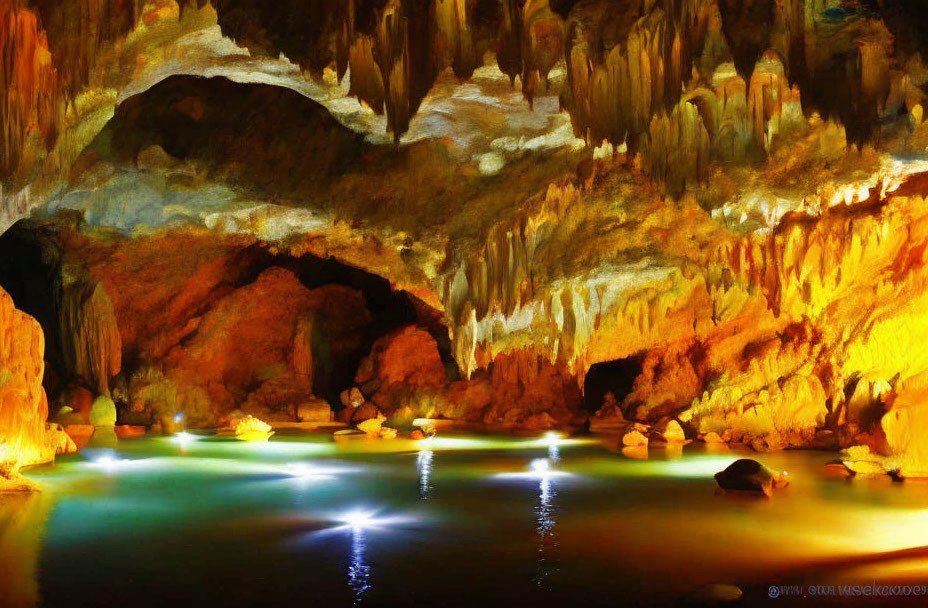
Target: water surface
(459,521)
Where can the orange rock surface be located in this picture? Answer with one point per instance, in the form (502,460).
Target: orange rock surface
(24,438)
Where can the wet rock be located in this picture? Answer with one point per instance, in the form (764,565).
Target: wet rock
(250,428)
(61,440)
(79,400)
(417,435)
(538,422)
(859,460)
(23,405)
(371,426)
(103,412)
(317,410)
(80,434)
(747,475)
(129,431)
(673,432)
(387,433)
(634,438)
(407,357)
(711,437)
(366,411)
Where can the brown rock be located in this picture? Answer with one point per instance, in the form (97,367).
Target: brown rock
(539,422)
(417,435)
(129,431)
(79,399)
(634,439)
(365,412)
(371,426)
(711,437)
(673,432)
(23,406)
(80,433)
(407,357)
(317,410)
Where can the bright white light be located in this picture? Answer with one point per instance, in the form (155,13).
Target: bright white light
(553,437)
(357,519)
(109,463)
(184,438)
(540,465)
(302,470)
(178,418)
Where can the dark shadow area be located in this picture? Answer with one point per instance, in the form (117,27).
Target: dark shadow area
(616,377)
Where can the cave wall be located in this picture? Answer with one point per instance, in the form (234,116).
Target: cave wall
(24,439)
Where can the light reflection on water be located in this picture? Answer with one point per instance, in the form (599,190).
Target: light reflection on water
(424,469)
(547,537)
(587,517)
(359,573)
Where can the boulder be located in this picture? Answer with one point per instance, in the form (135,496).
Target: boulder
(417,435)
(633,439)
(80,434)
(407,358)
(387,433)
(748,475)
(316,410)
(711,437)
(371,426)
(61,440)
(355,398)
(364,412)
(79,400)
(250,428)
(103,412)
(673,432)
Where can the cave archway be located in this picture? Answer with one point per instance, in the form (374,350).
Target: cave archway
(616,377)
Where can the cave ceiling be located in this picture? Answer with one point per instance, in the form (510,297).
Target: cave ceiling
(518,164)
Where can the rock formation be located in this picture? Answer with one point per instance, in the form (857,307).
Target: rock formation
(25,437)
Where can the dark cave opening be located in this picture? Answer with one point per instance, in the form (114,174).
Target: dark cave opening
(33,263)
(616,377)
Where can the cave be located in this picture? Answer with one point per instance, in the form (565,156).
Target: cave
(36,264)
(616,377)
(455,302)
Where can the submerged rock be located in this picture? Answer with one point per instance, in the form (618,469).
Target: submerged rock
(747,475)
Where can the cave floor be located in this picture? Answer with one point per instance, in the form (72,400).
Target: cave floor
(454,521)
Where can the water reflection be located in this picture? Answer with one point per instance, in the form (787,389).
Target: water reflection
(359,573)
(424,467)
(22,521)
(547,536)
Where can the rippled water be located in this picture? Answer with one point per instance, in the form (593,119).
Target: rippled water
(457,521)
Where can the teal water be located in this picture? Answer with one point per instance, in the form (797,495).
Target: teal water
(458,521)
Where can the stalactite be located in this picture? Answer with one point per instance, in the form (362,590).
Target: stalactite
(91,342)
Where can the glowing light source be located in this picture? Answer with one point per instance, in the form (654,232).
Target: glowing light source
(184,438)
(357,519)
(109,463)
(178,418)
(554,439)
(540,465)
